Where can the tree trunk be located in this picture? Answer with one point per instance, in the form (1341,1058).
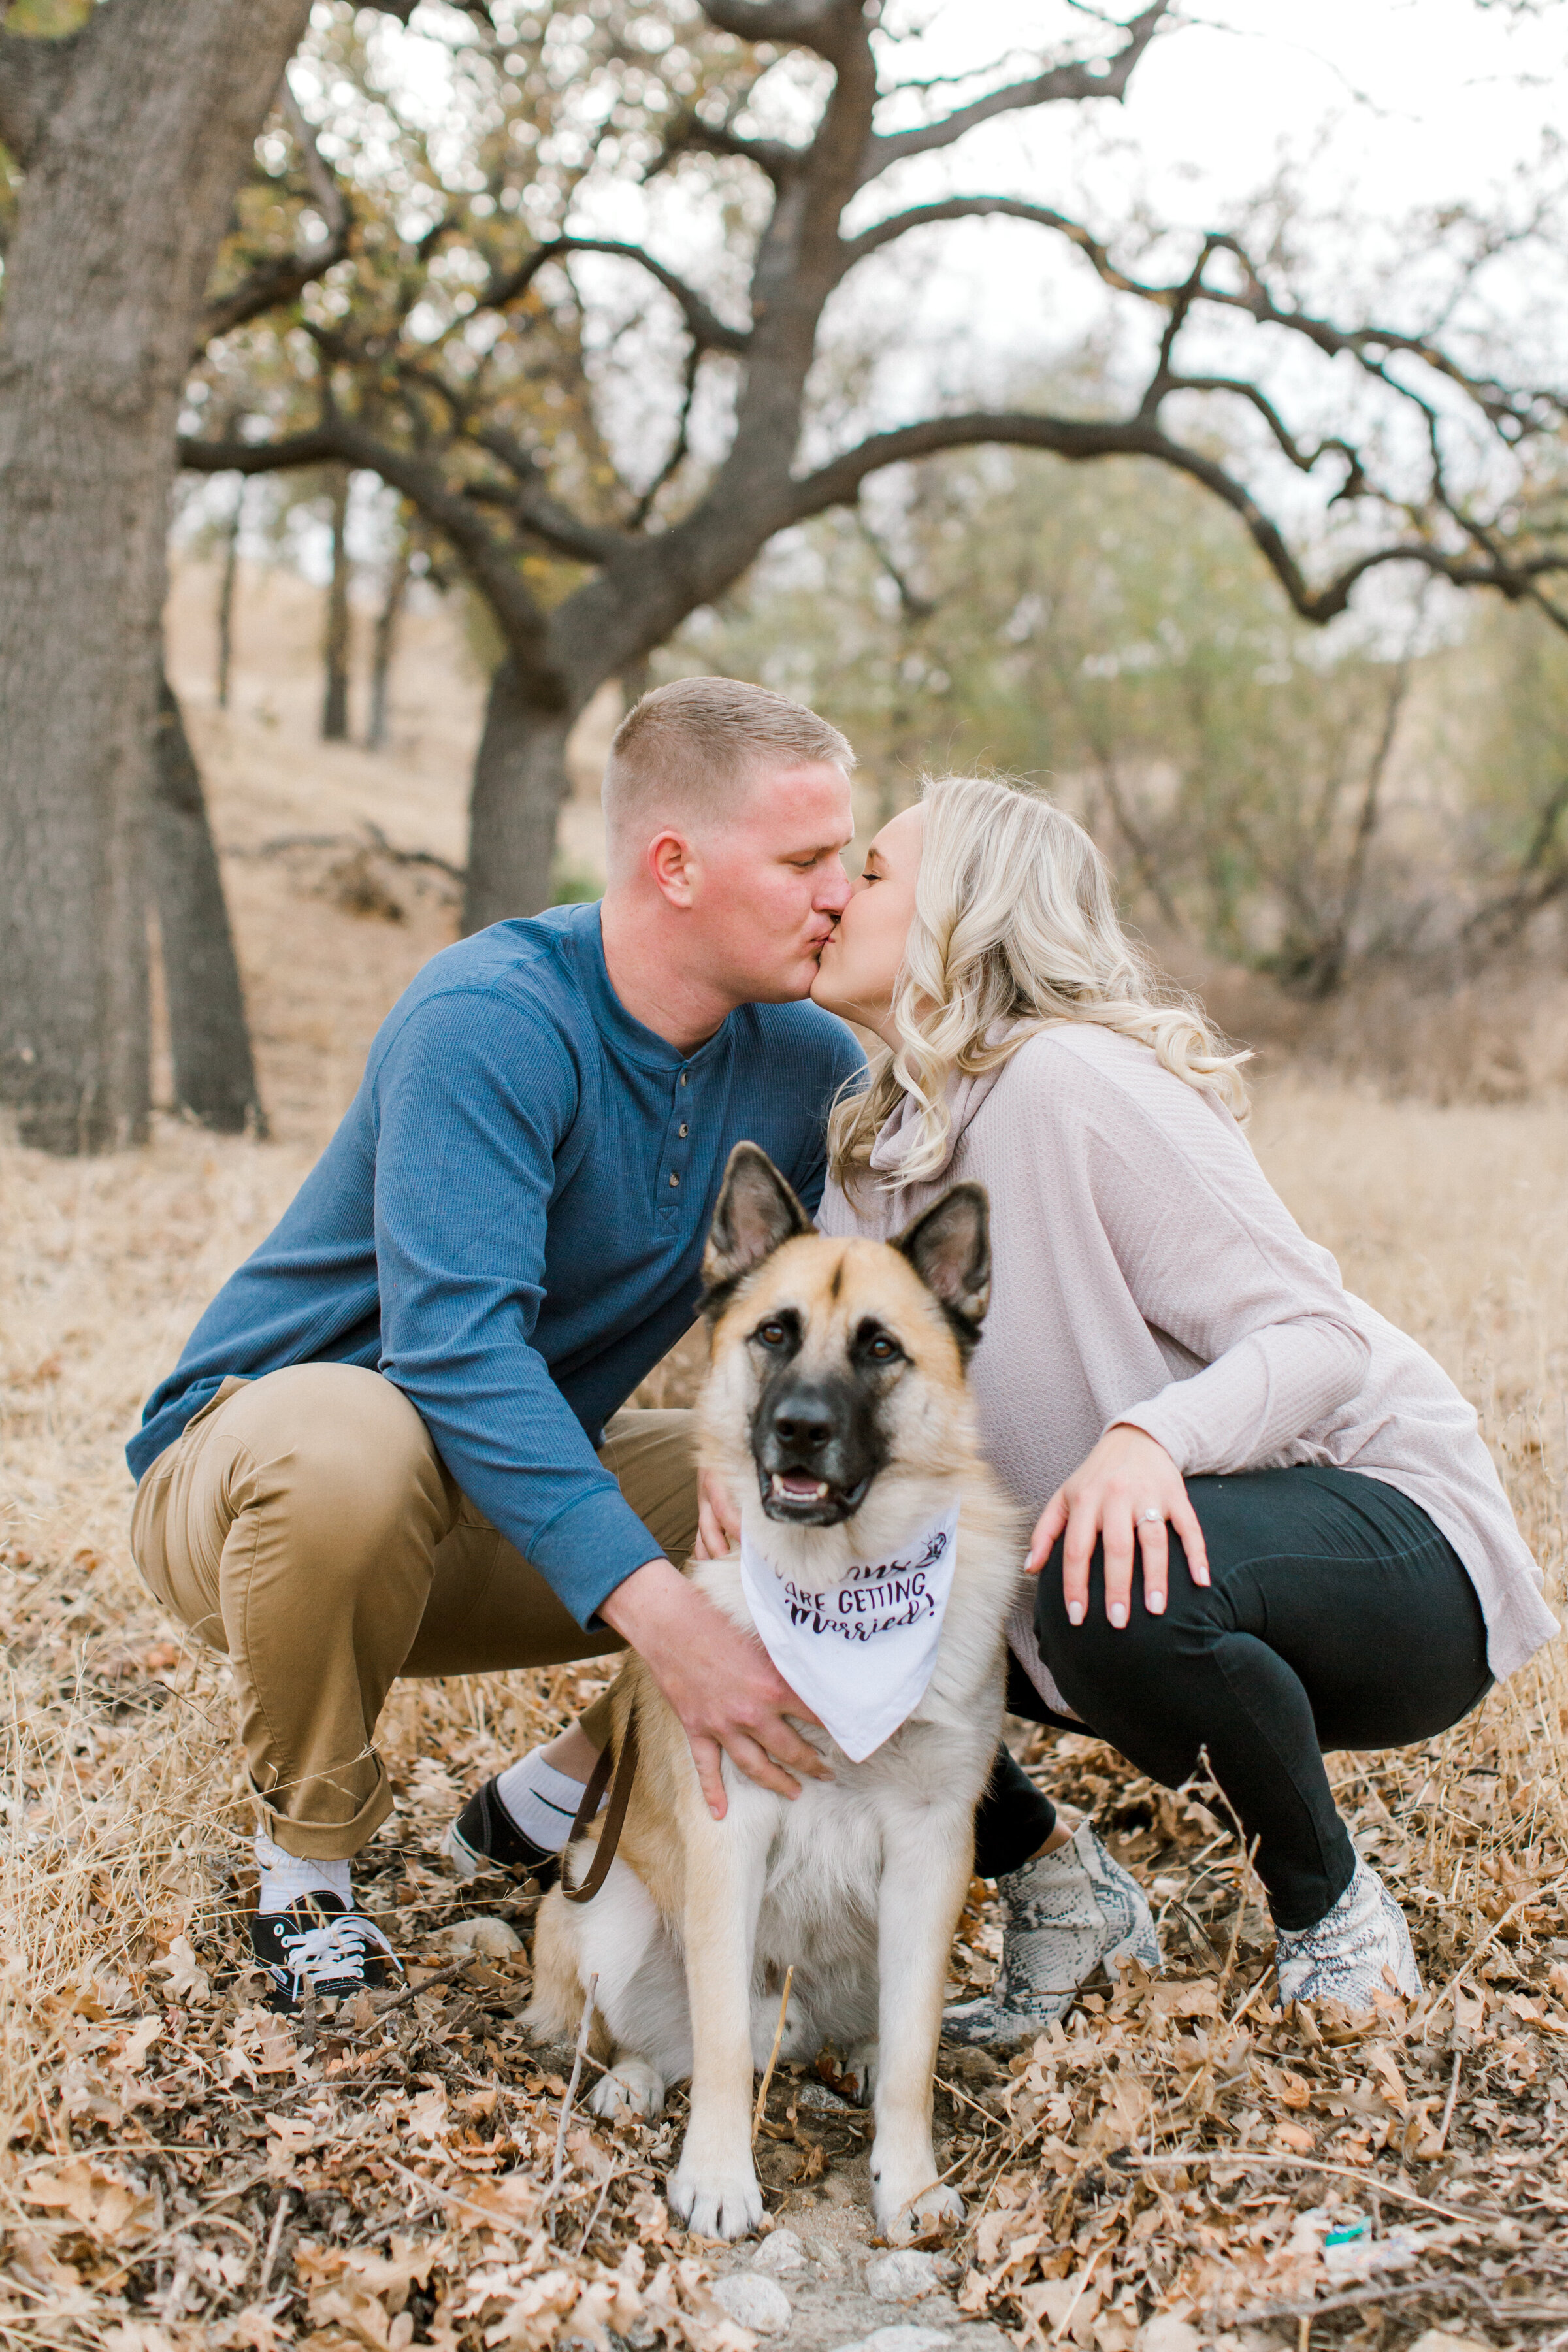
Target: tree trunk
(214,1077)
(386,622)
(520,782)
(335,644)
(132,136)
(226,596)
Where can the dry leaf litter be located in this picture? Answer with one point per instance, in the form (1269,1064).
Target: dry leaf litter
(1173,2166)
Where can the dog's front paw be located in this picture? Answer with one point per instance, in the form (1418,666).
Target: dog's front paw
(902,2218)
(632,2085)
(716,2200)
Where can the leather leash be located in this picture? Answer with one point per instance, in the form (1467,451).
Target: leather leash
(625,1770)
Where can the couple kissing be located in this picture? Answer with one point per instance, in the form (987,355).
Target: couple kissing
(1264,1523)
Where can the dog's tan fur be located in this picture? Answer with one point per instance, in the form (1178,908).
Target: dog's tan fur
(859,1882)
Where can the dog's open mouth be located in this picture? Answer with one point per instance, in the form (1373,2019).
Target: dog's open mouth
(801,1496)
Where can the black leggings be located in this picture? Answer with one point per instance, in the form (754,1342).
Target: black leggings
(1339,1616)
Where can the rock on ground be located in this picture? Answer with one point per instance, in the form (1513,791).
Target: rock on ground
(755,2300)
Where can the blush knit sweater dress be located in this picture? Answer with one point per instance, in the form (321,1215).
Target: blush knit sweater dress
(1146,1271)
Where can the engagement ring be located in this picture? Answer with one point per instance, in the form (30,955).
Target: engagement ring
(1150,1518)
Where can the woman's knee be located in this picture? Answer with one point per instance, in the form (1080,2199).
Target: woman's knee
(1098,1660)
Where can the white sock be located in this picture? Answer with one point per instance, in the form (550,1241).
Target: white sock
(285,1877)
(542,1801)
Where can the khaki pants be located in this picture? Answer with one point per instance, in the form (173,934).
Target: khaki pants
(305,1524)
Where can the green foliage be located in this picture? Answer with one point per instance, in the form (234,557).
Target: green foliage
(47,20)
(1507,710)
(571,886)
(453,177)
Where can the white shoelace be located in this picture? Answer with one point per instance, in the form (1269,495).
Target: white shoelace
(319,1952)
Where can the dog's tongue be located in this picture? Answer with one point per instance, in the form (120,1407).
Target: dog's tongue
(799,1482)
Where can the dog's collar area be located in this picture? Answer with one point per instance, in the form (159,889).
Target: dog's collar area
(858,1640)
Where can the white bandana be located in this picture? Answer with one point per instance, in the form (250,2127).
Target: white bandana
(861,1655)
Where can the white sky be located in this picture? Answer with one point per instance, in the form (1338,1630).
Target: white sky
(1427,99)
(1376,108)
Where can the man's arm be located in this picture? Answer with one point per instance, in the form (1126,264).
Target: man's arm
(472,1103)
(472,1100)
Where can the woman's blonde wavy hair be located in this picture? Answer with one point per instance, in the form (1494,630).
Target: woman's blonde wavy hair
(1015,928)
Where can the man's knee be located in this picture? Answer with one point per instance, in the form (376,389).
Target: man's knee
(338,1457)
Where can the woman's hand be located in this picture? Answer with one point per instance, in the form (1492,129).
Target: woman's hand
(1128,1486)
(717,1520)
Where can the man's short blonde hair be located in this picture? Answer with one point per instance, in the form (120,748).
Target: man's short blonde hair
(687,753)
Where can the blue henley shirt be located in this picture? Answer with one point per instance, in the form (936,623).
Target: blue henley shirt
(509,1224)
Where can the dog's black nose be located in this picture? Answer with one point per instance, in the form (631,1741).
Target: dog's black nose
(802,1423)
(815,1445)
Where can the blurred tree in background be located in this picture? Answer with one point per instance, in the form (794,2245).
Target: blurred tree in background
(607,299)
(1284,797)
(593,329)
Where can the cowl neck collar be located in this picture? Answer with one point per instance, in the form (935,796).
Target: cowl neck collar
(899,1131)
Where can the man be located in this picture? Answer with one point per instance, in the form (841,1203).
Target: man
(384,1450)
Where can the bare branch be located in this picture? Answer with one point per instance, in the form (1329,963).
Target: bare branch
(531,505)
(1538,880)
(1371,347)
(1074,81)
(1303,456)
(818,24)
(692,135)
(955,208)
(35,74)
(1079,438)
(1513,414)
(677,455)
(318,445)
(705,327)
(323,185)
(285,277)
(492,561)
(913,606)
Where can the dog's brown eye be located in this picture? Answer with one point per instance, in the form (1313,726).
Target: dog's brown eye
(882,1351)
(772,1335)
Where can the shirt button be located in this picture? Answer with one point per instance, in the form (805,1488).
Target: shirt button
(684,1130)
(683,1077)
(674,1179)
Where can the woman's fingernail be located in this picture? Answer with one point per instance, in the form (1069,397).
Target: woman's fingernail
(1075,1612)
(1118,1614)
(1155,1603)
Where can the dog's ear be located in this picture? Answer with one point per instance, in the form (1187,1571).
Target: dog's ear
(950,1249)
(757,1213)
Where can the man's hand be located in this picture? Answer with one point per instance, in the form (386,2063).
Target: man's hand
(717,1520)
(729,1696)
(1123,1495)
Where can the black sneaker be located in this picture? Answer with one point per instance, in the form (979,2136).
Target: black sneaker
(485,1837)
(322,1946)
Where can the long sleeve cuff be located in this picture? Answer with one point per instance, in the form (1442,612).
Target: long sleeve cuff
(589,1548)
(1259,1396)
(1164,1427)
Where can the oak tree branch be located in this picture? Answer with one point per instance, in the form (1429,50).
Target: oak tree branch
(286,276)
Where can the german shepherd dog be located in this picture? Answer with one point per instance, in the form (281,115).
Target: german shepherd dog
(835,1404)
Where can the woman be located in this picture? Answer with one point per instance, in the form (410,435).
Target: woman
(1267,1525)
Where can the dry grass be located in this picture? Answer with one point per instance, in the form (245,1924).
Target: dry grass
(175,2170)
